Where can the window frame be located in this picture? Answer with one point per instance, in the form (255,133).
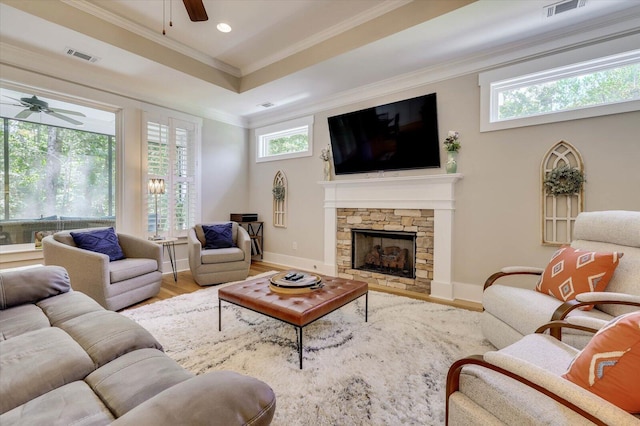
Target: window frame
(287,128)
(173,120)
(552,68)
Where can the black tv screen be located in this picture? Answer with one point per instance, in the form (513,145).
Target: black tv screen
(396,136)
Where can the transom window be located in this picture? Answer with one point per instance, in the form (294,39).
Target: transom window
(290,139)
(606,85)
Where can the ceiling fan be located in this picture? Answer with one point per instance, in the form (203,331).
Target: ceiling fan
(33,104)
(196,10)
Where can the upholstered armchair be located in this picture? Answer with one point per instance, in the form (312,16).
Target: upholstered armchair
(514,310)
(219,265)
(114,284)
(537,380)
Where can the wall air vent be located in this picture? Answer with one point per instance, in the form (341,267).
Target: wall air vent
(563,6)
(85,56)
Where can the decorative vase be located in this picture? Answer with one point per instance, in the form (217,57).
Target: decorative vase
(452,165)
(327,170)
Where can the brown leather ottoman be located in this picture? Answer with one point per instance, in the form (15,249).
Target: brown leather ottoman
(298,310)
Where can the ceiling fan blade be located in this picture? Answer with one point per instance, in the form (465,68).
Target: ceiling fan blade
(24,114)
(196,10)
(22,103)
(65,118)
(66,111)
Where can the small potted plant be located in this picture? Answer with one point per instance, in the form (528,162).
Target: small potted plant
(452,146)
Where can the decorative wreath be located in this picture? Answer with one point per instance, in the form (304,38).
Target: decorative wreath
(564,180)
(278,192)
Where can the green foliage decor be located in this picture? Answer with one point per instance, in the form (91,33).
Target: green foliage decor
(564,180)
(278,192)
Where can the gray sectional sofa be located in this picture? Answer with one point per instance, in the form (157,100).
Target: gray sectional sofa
(66,360)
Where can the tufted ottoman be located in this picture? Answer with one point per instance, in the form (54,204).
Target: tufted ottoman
(298,310)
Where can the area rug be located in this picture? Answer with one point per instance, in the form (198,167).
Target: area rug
(390,370)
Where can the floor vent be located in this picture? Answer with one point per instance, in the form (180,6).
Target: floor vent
(563,6)
(84,56)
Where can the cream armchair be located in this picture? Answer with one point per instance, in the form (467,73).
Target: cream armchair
(521,384)
(115,285)
(215,266)
(516,310)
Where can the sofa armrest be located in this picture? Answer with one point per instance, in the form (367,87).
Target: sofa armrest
(575,398)
(194,246)
(593,298)
(31,285)
(512,270)
(588,324)
(140,248)
(88,271)
(216,398)
(244,243)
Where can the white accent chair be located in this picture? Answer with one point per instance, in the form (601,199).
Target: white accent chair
(511,311)
(215,266)
(114,285)
(521,384)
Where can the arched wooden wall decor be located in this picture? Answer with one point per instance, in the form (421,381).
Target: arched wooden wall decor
(280,193)
(559,211)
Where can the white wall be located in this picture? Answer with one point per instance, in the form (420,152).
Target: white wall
(498,213)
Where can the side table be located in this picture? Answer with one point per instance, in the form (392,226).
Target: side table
(169,244)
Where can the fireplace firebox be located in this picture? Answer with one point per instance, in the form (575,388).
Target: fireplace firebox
(385,252)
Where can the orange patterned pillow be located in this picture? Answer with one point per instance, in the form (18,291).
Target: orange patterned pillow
(573,271)
(609,365)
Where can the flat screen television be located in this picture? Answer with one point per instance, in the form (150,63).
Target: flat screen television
(397,136)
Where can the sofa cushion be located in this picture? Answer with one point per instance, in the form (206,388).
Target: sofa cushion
(135,377)
(218,236)
(126,269)
(68,306)
(233,254)
(231,399)
(21,319)
(106,335)
(609,365)
(37,362)
(32,284)
(573,271)
(72,404)
(103,241)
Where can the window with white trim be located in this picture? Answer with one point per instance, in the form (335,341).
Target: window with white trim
(513,97)
(290,139)
(173,147)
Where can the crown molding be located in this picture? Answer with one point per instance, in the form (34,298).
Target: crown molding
(154,36)
(621,25)
(372,13)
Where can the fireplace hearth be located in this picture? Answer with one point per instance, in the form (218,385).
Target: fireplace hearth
(384,252)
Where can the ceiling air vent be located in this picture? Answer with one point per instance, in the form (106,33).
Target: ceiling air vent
(563,6)
(85,56)
(267,105)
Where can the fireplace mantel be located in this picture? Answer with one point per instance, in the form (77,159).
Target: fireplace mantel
(409,192)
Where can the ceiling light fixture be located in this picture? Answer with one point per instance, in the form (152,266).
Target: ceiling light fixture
(223,28)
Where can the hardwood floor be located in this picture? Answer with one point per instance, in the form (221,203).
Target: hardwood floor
(186,284)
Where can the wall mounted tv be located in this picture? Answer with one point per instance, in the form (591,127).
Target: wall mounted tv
(397,136)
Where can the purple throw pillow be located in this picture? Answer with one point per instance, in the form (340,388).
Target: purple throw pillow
(218,236)
(103,241)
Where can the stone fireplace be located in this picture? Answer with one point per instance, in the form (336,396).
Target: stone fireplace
(388,234)
(421,204)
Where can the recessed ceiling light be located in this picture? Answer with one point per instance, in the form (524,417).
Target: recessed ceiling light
(224,28)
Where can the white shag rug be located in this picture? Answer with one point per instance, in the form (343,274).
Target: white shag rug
(390,370)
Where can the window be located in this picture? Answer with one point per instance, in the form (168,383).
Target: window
(291,139)
(173,147)
(606,85)
(55,178)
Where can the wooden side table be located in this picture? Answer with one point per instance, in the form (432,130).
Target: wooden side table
(169,244)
